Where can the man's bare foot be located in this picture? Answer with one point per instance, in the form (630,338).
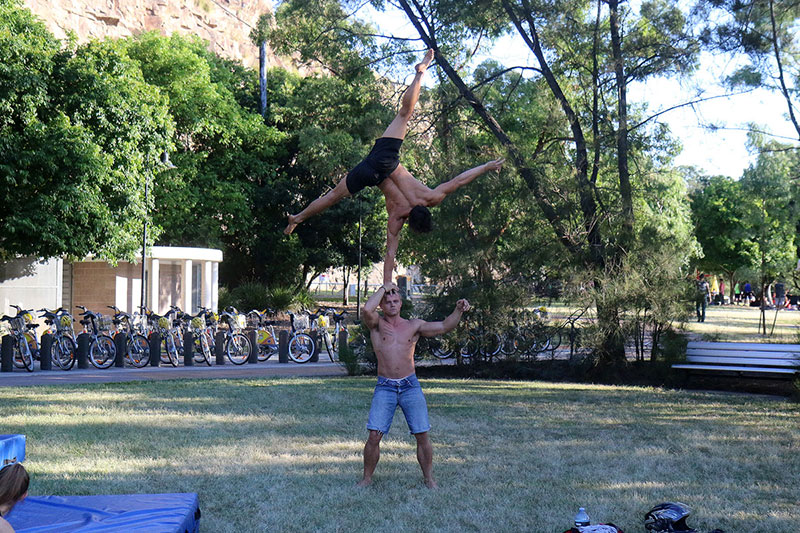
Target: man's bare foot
(431,484)
(364,483)
(426,61)
(293,222)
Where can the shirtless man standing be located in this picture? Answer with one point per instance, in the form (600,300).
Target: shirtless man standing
(406,197)
(394,339)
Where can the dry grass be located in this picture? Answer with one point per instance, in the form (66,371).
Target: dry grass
(284,454)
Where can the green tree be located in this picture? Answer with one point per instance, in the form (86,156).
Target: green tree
(765,33)
(81,131)
(772,214)
(720,211)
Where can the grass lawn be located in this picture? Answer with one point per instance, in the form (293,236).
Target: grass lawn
(284,454)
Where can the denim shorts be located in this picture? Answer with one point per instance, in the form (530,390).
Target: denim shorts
(405,392)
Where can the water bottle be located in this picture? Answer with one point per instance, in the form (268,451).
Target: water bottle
(581,519)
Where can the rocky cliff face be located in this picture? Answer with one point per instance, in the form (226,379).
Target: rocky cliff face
(225,24)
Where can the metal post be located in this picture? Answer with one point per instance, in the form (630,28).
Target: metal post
(315,356)
(253,359)
(143,301)
(188,349)
(358,284)
(83,350)
(46,352)
(155,349)
(7,357)
(121,343)
(262,76)
(219,347)
(283,346)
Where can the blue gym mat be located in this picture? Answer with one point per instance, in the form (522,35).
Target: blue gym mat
(153,513)
(12,447)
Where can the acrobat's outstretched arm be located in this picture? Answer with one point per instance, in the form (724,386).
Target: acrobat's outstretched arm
(449,187)
(392,241)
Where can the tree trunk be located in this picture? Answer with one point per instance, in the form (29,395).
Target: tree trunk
(626,195)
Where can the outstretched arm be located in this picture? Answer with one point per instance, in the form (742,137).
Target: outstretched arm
(432,329)
(448,187)
(392,241)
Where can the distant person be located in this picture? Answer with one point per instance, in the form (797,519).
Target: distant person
(737,293)
(780,294)
(14,482)
(394,339)
(748,292)
(702,296)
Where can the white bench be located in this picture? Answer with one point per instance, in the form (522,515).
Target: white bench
(777,360)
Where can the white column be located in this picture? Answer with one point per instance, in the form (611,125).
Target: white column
(186,286)
(206,298)
(155,286)
(215,286)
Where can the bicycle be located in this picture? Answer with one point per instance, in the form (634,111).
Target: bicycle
(301,345)
(138,347)
(63,350)
(320,324)
(266,339)
(163,325)
(23,354)
(102,351)
(237,346)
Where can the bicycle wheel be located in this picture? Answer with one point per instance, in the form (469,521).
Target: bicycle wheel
(439,349)
(102,351)
(267,346)
(138,350)
(23,358)
(172,349)
(64,352)
(509,343)
(238,348)
(469,347)
(326,338)
(541,341)
(205,349)
(301,348)
(490,345)
(555,340)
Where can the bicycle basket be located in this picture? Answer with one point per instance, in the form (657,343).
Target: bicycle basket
(323,322)
(65,322)
(163,322)
(241,321)
(28,318)
(301,322)
(197,323)
(17,324)
(104,322)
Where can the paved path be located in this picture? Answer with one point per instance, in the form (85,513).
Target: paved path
(22,378)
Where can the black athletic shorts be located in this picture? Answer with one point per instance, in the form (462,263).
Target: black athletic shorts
(376,167)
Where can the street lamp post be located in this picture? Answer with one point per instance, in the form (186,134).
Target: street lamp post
(167,164)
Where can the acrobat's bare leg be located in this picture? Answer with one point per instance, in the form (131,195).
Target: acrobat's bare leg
(397,128)
(319,205)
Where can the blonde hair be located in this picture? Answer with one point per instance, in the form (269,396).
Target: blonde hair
(14,481)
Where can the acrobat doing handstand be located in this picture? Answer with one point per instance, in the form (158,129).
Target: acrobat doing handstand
(406,197)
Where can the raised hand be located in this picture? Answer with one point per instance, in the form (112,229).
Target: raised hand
(496,164)
(462,305)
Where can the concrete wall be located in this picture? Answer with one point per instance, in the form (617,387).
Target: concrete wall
(30,284)
(170,287)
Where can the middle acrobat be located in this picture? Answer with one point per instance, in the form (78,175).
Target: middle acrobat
(406,197)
